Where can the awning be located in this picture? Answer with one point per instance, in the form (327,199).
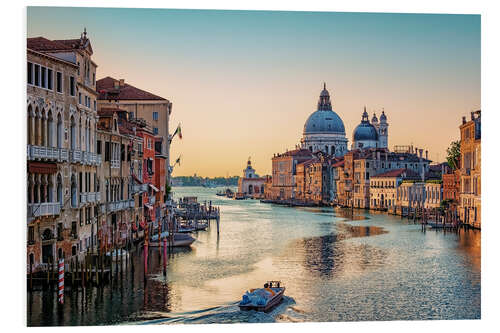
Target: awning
(42,167)
(153,187)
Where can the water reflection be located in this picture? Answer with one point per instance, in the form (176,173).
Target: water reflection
(335,265)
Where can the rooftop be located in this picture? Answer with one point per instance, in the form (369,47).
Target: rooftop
(110,88)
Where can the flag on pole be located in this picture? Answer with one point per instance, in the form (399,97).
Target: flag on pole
(178,131)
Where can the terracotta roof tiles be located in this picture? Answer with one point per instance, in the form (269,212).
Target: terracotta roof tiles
(106,87)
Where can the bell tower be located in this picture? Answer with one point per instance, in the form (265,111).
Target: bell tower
(383,135)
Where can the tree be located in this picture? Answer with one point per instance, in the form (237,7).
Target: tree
(453,155)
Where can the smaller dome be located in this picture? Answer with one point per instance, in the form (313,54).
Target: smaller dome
(364,132)
(374,118)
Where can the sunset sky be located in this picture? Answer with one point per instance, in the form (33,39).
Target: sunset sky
(243,83)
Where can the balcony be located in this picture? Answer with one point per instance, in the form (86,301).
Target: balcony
(44,209)
(76,156)
(90,158)
(119,205)
(139,188)
(115,163)
(47,153)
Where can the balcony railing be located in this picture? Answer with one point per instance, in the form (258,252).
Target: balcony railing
(47,153)
(44,209)
(140,188)
(119,205)
(89,197)
(115,163)
(76,156)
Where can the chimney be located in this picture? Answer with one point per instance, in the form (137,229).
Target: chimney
(463,120)
(472,115)
(420,152)
(116,84)
(426,154)
(122,82)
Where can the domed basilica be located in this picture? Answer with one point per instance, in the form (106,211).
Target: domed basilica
(324,130)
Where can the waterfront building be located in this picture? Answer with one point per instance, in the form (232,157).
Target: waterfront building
(140,104)
(324,129)
(337,170)
(470,170)
(383,188)
(353,187)
(284,167)
(148,171)
(114,145)
(251,184)
(314,180)
(451,188)
(62,161)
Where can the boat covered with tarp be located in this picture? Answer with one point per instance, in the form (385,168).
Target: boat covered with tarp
(263,299)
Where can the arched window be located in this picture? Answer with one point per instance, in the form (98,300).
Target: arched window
(43,187)
(43,128)
(30,191)
(59,131)
(35,191)
(50,190)
(73,192)
(50,130)
(30,125)
(87,136)
(121,189)
(36,141)
(59,190)
(107,190)
(73,133)
(80,134)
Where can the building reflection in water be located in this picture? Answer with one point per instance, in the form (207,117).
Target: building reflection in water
(329,256)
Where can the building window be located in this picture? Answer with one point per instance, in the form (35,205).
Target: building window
(79,98)
(37,75)
(72,85)
(155,115)
(49,79)
(31,235)
(155,130)
(44,77)
(95,105)
(30,73)
(59,82)
(99,147)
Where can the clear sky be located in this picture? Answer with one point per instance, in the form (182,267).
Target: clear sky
(243,82)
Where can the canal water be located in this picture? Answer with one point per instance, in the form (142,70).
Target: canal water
(335,266)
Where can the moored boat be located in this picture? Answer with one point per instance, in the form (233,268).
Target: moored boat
(263,299)
(180,240)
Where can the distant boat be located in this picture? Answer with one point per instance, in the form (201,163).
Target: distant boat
(239,196)
(180,239)
(185,229)
(263,299)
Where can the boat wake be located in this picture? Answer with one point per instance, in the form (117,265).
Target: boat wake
(229,313)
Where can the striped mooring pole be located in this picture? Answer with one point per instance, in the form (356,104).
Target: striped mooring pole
(60,291)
